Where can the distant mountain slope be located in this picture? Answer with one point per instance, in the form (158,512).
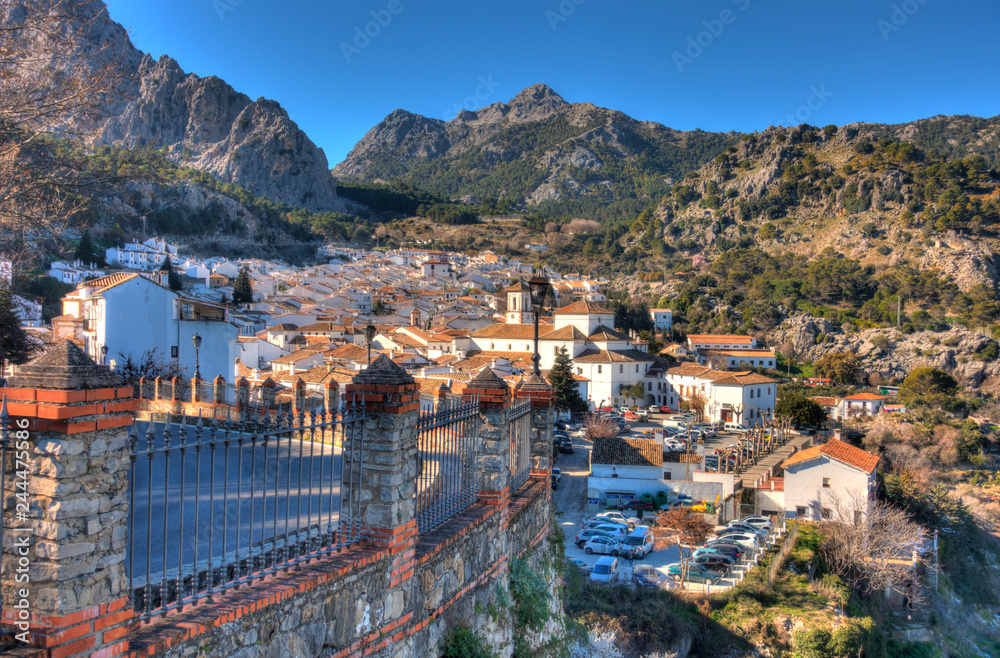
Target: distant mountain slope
(204,122)
(536,151)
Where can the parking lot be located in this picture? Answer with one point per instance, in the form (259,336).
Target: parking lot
(570,500)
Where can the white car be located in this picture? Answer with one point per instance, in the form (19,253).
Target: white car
(616,531)
(747,541)
(602,546)
(614,516)
(761,522)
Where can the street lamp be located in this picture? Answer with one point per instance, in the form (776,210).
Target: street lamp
(538,287)
(196,339)
(370,332)
(104,354)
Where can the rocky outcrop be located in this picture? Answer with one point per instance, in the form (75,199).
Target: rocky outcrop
(537,126)
(209,125)
(888,351)
(204,122)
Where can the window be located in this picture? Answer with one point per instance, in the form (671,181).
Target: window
(555,350)
(508,347)
(800,512)
(649,386)
(826,483)
(666,475)
(758,392)
(579,371)
(598,370)
(621,369)
(826,513)
(768,390)
(173,351)
(637,367)
(751,394)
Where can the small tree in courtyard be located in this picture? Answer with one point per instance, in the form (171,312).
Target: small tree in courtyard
(242,288)
(565,390)
(681,528)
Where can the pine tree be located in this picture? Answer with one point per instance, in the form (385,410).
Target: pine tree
(85,251)
(242,289)
(16,347)
(564,387)
(173,279)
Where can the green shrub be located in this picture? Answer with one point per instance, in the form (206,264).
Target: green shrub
(813,644)
(463,642)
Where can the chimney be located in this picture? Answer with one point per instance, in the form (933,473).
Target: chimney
(291,369)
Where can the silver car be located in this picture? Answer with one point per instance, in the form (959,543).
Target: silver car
(602,546)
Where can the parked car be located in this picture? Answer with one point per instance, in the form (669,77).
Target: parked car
(638,544)
(711,550)
(758,522)
(580,433)
(720,563)
(640,504)
(706,428)
(616,531)
(555,482)
(654,409)
(556,473)
(645,576)
(605,571)
(749,541)
(602,546)
(615,516)
(760,532)
(566,447)
(586,534)
(696,573)
(733,427)
(734,551)
(580,566)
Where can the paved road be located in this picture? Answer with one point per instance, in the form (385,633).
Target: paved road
(262,492)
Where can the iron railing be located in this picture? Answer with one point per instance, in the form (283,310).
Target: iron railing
(217,506)
(446,470)
(519,418)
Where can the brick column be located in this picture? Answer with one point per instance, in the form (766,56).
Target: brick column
(76,416)
(387,450)
(158,388)
(268,391)
(331,397)
(441,397)
(543,418)
(175,385)
(298,398)
(196,390)
(220,389)
(493,463)
(242,396)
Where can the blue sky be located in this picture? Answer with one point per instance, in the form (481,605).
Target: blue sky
(715,64)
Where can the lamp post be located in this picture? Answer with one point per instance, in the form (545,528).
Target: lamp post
(370,332)
(104,354)
(538,287)
(196,339)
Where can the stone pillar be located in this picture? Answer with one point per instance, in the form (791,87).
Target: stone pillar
(219,396)
(299,398)
(543,418)
(242,396)
(196,390)
(175,385)
(158,388)
(268,393)
(142,387)
(387,450)
(331,397)
(75,417)
(441,397)
(493,463)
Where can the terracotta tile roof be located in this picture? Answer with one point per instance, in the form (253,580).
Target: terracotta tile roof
(569,332)
(613,356)
(323,327)
(284,326)
(348,352)
(825,401)
(836,449)
(584,308)
(506,331)
(865,396)
(619,451)
(754,353)
(520,286)
(607,333)
(107,281)
(689,370)
(720,338)
(740,379)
